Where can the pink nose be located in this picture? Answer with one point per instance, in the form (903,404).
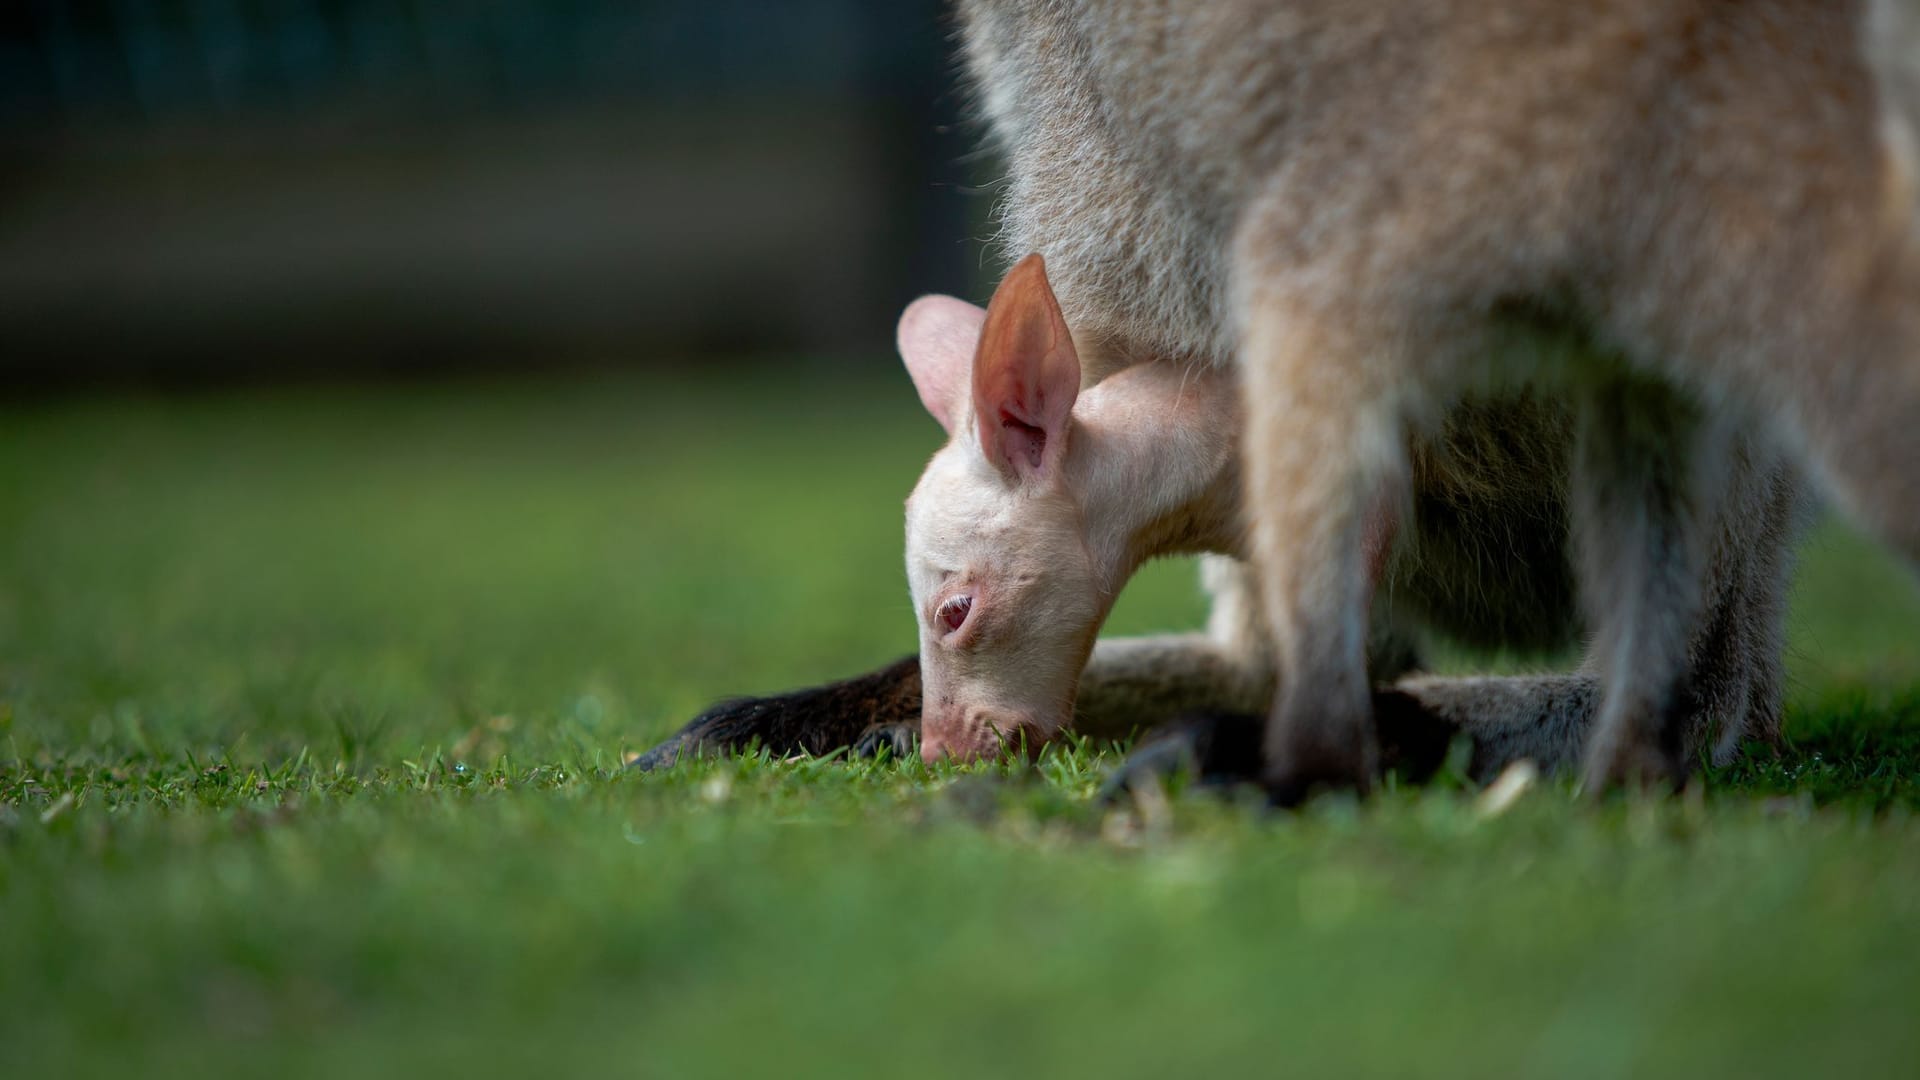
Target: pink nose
(963,749)
(977,736)
(932,748)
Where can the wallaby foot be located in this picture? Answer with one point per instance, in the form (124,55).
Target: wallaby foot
(1310,762)
(1223,749)
(1656,766)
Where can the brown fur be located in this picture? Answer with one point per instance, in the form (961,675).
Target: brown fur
(1692,222)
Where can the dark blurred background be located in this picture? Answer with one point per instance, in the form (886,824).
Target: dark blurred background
(209,190)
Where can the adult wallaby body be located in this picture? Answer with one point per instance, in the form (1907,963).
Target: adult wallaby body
(1370,209)
(1373,206)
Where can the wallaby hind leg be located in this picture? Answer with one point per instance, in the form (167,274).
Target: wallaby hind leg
(1324,450)
(1734,686)
(1645,462)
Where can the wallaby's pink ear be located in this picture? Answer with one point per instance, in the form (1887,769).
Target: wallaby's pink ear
(937,338)
(1025,375)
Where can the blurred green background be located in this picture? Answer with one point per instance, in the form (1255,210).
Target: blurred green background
(407,410)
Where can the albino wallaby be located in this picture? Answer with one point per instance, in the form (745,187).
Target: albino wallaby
(1036,545)
(1370,208)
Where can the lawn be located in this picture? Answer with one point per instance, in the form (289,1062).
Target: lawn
(313,705)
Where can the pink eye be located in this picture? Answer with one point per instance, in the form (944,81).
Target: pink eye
(953,613)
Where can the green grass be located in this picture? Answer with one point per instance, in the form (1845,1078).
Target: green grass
(313,702)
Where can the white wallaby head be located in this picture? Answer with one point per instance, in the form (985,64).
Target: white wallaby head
(1025,525)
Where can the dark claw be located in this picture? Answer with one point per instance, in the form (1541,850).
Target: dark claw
(897,740)
(816,720)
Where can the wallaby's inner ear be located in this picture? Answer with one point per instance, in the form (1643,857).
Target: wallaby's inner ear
(937,338)
(1025,375)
